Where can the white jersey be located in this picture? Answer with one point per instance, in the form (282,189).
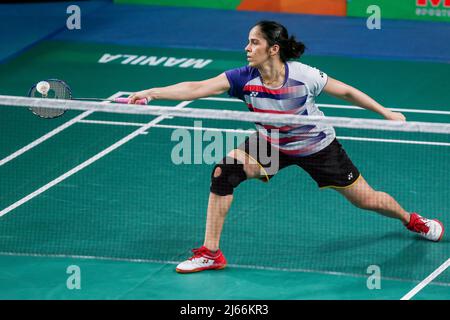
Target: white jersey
(296,96)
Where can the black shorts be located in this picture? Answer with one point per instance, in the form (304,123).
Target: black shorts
(330,167)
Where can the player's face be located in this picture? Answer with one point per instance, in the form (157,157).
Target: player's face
(257,48)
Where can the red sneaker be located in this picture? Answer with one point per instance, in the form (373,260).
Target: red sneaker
(203,259)
(429,229)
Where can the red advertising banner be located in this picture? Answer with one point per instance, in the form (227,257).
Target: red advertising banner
(320,7)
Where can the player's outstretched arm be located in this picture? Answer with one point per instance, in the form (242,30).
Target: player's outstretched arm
(190,90)
(343,91)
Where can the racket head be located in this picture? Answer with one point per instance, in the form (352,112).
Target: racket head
(58,90)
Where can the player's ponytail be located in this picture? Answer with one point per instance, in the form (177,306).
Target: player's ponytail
(276,33)
(293,49)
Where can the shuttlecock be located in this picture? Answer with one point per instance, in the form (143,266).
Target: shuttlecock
(43,87)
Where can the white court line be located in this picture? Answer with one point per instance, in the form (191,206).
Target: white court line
(342,106)
(426,281)
(430,143)
(137,124)
(255,267)
(51,133)
(337,106)
(89,161)
(114,123)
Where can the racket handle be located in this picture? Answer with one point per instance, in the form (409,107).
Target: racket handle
(125,100)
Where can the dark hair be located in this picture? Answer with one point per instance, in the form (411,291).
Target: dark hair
(276,33)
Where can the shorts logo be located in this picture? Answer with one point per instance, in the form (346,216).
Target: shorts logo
(350,176)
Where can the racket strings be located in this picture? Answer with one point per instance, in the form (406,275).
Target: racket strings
(58,90)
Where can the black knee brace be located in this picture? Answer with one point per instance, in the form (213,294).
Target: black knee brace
(231,176)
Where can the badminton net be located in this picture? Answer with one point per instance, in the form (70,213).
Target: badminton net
(145,197)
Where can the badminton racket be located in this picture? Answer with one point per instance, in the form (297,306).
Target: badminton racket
(58,89)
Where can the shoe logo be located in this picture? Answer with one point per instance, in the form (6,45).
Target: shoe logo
(350,176)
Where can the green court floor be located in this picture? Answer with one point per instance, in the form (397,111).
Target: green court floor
(128,217)
(46,278)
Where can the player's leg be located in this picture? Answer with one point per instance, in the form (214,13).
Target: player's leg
(241,164)
(365,197)
(226,176)
(331,167)
(221,196)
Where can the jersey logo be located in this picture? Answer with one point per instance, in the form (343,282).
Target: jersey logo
(253,94)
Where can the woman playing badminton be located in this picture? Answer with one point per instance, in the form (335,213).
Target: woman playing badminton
(272,83)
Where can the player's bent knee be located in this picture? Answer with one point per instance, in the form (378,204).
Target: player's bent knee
(226,176)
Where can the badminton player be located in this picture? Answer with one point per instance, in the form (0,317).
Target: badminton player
(273,83)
